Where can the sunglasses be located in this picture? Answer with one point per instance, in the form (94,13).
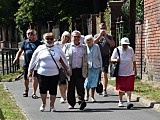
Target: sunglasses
(76,36)
(30,33)
(89,40)
(49,38)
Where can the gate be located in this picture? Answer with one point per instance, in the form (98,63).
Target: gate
(120,31)
(7,56)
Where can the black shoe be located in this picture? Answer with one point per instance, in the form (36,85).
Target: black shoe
(82,105)
(79,102)
(129,105)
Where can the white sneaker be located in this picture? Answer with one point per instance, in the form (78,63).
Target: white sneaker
(120,104)
(86,98)
(93,99)
(104,93)
(52,109)
(42,108)
(70,107)
(62,100)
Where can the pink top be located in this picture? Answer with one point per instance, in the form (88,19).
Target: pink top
(77,56)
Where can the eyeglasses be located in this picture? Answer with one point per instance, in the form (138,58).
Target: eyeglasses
(102,28)
(66,36)
(76,36)
(30,33)
(88,40)
(49,38)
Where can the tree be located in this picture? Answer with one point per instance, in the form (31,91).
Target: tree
(49,10)
(7,9)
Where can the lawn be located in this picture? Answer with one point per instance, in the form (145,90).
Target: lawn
(9,110)
(144,89)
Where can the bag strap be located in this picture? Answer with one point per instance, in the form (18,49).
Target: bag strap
(30,46)
(53,58)
(118,52)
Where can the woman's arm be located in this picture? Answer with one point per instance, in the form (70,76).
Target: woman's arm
(135,68)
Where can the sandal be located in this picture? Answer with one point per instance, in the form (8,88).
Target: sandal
(25,94)
(34,96)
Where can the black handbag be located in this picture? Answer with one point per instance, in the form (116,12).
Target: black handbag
(99,88)
(62,72)
(114,67)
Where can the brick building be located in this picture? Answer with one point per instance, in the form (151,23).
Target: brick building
(147,42)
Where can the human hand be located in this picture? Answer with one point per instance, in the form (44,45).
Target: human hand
(15,61)
(68,72)
(29,76)
(102,32)
(118,60)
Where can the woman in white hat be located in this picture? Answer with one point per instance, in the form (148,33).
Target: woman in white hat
(127,71)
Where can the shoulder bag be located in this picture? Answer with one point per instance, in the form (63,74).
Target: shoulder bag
(62,72)
(114,67)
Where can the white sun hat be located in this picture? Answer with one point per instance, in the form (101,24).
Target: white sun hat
(125,40)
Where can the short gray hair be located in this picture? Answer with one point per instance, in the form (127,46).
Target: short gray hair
(76,31)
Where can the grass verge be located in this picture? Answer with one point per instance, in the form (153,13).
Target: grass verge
(144,89)
(10,77)
(9,110)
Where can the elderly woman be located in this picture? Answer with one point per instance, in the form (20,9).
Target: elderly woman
(65,38)
(95,65)
(127,71)
(47,69)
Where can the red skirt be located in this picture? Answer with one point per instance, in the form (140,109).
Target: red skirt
(125,83)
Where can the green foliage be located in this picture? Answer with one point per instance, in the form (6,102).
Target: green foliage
(139,10)
(38,11)
(7,11)
(125,16)
(107,19)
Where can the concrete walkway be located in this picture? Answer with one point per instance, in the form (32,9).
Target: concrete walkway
(105,107)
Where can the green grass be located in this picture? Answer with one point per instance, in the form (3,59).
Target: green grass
(10,77)
(8,107)
(144,89)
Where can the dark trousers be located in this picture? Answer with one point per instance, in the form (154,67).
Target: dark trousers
(76,81)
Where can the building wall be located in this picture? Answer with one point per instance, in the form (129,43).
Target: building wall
(149,39)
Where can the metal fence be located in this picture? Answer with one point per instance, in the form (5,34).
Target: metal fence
(7,56)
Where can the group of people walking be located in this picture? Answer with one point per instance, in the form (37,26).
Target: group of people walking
(83,62)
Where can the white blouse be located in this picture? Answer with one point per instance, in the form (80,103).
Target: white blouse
(43,61)
(127,57)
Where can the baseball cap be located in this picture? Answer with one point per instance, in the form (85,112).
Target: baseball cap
(125,40)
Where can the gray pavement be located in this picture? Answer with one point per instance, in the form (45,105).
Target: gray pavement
(105,107)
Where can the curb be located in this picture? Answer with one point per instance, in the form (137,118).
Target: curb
(152,104)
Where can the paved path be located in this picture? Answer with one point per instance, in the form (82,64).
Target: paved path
(104,109)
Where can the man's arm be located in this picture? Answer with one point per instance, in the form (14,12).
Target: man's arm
(102,33)
(111,42)
(17,55)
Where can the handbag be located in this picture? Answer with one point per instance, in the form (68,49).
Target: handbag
(62,72)
(99,88)
(114,67)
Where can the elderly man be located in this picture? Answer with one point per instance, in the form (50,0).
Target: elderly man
(28,46)
(76,54)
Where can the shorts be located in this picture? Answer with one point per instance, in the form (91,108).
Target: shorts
(62,82)
(25,72)
(48,83)
(105,65)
